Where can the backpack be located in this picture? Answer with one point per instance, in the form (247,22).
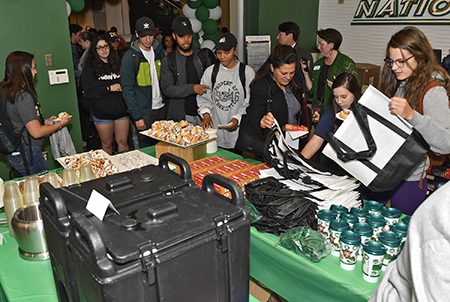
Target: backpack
(241,75)
(205,55)
(435,160)
(9,138)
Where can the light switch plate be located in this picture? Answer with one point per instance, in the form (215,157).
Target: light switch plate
(48,60)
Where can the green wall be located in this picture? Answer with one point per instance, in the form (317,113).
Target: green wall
(264,16)
(41,27)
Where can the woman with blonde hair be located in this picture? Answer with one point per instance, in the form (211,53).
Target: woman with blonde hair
(418,87)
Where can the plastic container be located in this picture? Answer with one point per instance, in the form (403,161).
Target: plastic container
(373,256)
(391,242)
(336,228)
(373,207)
(324,218)
(391,215)
(377,222)
(361,213)
(349,246)
(339,210)
(170,242)
(364,230)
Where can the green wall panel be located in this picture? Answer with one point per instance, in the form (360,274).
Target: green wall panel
(41,27)
(264,16)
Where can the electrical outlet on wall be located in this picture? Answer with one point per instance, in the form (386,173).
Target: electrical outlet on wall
(48,60)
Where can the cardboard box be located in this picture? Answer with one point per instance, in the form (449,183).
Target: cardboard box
(263,294)
(369,74)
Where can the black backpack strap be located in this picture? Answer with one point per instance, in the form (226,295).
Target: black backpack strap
(214,73)
(172,63)
(242,77)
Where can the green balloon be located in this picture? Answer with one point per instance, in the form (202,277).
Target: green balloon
(211,3)
(76,5)
(202,13)
(195,36)
(213,37)
(209,26)
(194,3)
(195,43)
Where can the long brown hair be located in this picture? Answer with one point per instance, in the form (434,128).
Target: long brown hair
(18,76)
(415,42)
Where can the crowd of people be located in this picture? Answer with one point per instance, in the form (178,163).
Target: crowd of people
(123,89)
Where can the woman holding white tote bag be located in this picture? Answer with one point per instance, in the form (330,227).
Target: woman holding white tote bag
(418,87)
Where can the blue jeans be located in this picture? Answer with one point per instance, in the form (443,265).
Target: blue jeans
(39,163)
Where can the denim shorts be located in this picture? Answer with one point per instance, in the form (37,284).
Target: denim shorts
(99,121)
(39,163)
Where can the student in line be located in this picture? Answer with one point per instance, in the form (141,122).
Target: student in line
(224,104)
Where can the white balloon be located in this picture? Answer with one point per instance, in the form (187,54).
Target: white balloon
(208,44)
(215,13)
(68,8)
(188,12)
(196,25)
(201,33)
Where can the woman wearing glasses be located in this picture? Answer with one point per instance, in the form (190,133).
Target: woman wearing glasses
(100,80)
(417,86)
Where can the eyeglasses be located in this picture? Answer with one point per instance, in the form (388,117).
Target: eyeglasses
(104,47)
(400,62)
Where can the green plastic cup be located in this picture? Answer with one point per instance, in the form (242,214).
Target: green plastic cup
(361,213)
(391,242)
(350,218)
(349,246)
(406,219)
(377,223)
(324,217)
(373,207)
(392,216)
(364,230)
(339,210)
(336,228)
(401,229)
(372,260)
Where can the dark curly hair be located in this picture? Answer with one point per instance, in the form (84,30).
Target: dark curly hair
(93,59)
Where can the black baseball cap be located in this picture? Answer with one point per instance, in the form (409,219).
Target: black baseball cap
(111,36)
(226,42)
(182,26)
(144,27)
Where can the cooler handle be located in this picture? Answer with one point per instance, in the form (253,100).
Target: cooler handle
(237,195)
(185,169)
(90,241)
(51,200)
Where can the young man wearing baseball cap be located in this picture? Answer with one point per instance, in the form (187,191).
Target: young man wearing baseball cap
(139,72)
(223,105)
(181,72)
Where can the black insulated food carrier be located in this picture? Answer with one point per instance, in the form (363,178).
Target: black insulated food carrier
(171,241)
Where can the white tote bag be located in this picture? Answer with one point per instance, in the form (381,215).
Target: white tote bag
(379,152)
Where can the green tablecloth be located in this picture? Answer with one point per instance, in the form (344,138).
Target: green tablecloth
(290,275)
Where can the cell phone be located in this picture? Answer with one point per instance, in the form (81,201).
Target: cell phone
(303,61)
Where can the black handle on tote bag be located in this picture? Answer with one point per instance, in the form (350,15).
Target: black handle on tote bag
(344,153)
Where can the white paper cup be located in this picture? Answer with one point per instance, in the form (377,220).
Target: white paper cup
(211,147)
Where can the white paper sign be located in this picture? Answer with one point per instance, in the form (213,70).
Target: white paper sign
(98,204)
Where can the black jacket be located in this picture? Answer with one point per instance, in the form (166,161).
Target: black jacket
(104,104)
(260,91)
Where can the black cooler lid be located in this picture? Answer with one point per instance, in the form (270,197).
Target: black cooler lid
(155,205)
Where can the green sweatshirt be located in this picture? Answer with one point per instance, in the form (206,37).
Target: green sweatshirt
(341,64)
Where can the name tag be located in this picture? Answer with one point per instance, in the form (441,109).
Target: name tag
(317,67)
